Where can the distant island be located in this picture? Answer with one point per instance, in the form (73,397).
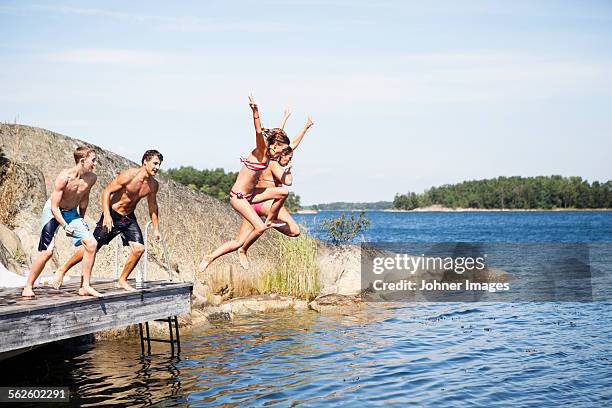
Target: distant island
(512,193)
(341,205)
(501,193)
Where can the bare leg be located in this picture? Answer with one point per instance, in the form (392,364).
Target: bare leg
(274,211)
(136,251)
(61,271)
(278,194)
(89,255)
(58,279)
(37,267)
(290,228)
(243,207)
(245,230)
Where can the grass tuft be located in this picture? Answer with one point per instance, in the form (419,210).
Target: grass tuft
(295,270)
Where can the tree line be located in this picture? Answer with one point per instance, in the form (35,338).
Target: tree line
(216,183)
(542,192)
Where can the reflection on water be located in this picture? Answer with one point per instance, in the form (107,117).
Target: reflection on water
(436,354)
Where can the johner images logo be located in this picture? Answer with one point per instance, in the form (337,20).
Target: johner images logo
(492,272)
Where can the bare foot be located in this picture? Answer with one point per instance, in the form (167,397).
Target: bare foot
(205,262)
(27,292)
(123,284)
(275,223)
(89,291)
(58,279)
(243,259)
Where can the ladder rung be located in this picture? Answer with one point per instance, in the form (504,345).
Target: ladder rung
(160,340)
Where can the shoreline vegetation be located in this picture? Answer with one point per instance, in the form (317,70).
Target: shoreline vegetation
(513,193)
(439,208)
(541,193)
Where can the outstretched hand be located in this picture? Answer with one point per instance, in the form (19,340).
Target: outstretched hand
(252,103)
(287,111)
(309,122)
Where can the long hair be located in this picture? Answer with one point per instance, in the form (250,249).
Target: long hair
(275,136)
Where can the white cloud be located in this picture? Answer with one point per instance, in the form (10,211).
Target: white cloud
(110,56)
(186,23)
(161,80)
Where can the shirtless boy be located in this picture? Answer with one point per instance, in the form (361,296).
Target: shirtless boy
(119,200)
(70,190)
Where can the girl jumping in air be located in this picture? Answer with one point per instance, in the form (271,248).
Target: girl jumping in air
(269,144)
(277,174)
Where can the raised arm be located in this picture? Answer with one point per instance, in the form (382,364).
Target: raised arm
(300,135)
(280,173)
(56,197)
(153,211)
(260,143)
(286,114)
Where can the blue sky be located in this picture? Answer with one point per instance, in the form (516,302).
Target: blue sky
(404,94)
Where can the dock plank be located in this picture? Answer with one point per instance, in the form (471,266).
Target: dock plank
(60,314)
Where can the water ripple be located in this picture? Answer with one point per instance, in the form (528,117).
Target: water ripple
(420,354)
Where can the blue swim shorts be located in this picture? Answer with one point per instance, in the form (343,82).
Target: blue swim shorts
(49,226)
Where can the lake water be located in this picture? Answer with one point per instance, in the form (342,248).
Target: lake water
(425,354)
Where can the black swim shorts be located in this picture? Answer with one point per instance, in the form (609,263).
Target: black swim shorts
(126,225)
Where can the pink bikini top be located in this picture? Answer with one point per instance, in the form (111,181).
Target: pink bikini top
(255,166)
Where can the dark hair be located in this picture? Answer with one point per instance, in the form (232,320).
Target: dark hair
(275,135)
(149,154)
(287,150)
(82,152)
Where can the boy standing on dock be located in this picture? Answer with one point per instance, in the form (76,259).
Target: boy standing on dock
(70,190)
(119,200)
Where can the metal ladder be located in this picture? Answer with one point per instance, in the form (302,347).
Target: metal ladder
(175,338)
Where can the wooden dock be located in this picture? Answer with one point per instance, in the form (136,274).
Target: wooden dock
(61,314)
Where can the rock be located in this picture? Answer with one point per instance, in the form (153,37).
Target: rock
(10,240)
(219,317)
(198,301)
(349,282)
(12,254)
(336,304)
(249,306)
(4,255)
(340,268)
(258,304)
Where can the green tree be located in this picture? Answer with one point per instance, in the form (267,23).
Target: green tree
(542,192)
(342,229)
(292,203)
(216,182)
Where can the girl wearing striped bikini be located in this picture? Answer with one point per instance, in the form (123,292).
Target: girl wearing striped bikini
(269,144)
(276,175)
